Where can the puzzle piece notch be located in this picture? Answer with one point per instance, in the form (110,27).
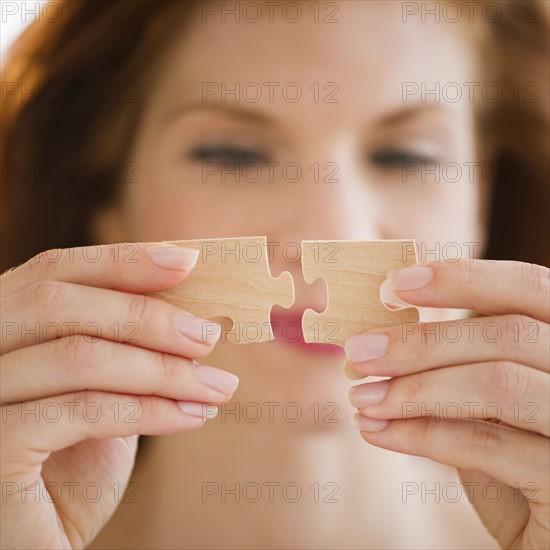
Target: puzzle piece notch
(353,272)
(232,280)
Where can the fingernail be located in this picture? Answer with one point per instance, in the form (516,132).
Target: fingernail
(198,329)
(174,257)
(365,424)
(217,379)
(205,411)
(351,374)
(410,278)
(372,393)
(366,347)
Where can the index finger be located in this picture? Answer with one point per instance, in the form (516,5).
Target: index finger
(480,285)
(127,267)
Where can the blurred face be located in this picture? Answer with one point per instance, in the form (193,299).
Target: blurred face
(306,130)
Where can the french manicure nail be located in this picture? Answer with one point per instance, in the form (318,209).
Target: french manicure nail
(410,278)
(201,410)
(365,424)
(174,257)
(198,329)
(366,347)
(217,379)
(372,393)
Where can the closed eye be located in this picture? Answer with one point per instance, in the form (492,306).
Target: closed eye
(397,159)
(227,155)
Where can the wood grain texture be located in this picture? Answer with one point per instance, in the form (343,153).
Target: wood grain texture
(232,281)
(354,272)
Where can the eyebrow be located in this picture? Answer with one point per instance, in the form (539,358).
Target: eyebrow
(249,114)
(412,111)
(231,109)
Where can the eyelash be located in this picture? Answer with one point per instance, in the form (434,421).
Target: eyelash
(396,158)
(225,155)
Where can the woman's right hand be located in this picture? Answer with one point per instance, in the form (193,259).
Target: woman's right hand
(88,364)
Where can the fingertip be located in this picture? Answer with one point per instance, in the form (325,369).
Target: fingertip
(414,277)
(350,373)
(168,256)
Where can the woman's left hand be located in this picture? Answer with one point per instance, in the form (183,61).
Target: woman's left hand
(472,393)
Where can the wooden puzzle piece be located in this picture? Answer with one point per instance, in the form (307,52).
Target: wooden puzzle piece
(353,272)
(232,280)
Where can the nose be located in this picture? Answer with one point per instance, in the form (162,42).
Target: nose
(332,202)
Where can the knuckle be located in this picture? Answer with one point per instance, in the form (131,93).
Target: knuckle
(89,409)
(536,278)
(506,380)
(46,293)
(45,264)
(429,434)
(87,398)
(141,309)
(170,365)
(482,435)
(469,276)
(423,344)
(468,272)
(513,326)
(79,352)
(139,407)
(416,386)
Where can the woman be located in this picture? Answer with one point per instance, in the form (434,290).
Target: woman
(139,123)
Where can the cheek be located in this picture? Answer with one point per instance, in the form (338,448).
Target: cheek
(173,201)
(165,205)
(179,214)
(438,215)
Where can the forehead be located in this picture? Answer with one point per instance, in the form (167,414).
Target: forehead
(368,49)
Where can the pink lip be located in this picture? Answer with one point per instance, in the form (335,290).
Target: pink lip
(287,328)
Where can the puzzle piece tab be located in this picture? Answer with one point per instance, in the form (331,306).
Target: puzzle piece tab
(232,280)
(354,272)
